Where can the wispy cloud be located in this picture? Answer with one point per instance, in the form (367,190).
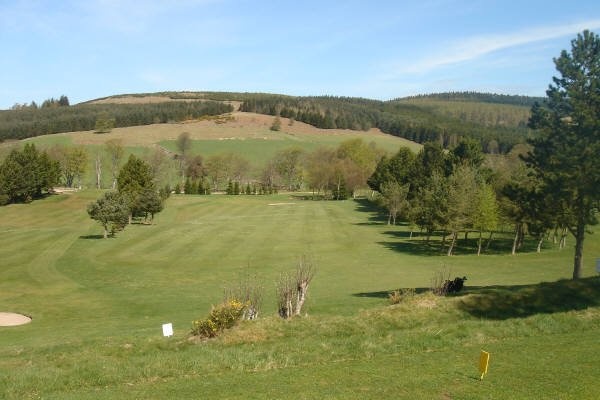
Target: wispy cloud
(475,47)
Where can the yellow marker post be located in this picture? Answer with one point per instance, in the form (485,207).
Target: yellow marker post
(484,360)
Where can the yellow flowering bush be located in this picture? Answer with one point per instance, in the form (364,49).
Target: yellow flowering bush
(221,317)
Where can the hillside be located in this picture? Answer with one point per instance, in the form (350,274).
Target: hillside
(497,122)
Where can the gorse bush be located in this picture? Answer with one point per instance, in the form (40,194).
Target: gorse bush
(400,295)
(221,317)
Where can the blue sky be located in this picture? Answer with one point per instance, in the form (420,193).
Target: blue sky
(374,49)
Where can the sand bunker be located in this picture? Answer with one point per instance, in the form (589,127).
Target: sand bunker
(12,319)
(281,204)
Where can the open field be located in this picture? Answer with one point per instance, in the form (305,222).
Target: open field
(98,305)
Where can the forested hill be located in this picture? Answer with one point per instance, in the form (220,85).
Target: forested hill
(442,117)
(494,98)
(497,121)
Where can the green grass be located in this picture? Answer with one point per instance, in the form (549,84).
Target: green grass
(259,151)
(98,305)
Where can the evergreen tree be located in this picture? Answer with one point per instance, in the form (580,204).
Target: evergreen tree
(276,125)
(25,175)
(486,214)
(236,188)
(187,187)
(135,177)
(110,211)
(150,202)
(566,153)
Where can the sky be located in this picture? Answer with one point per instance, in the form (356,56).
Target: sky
(373,49)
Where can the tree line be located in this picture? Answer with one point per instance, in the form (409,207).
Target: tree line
(412,121)
(469,96)
(551,188)
(29,121)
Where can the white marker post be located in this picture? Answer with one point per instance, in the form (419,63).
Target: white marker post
(167,329)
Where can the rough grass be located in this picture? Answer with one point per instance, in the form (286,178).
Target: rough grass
(98,305)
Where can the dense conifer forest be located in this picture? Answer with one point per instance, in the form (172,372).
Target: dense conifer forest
(28,121)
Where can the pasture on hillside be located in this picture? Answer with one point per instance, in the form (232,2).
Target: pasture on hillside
(98,305)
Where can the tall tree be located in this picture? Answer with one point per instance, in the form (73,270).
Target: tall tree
(566,149)
(115,151)
(288,166)
(485,216)
(184,145)
(462,187)
(134,178)
(26,174)
(398,168)
(393,198)
(73,162)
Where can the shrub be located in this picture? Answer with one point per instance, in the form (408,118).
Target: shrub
(438,282)
(441,284)
(397,296)
(454,286)
(221,317)
(249,291)
(291,289)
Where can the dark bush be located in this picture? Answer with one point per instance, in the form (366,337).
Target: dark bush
(454,286)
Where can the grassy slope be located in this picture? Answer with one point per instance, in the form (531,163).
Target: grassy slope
(248,134)
(97,306)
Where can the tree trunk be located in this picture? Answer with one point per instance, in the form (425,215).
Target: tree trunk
(411,233)
(515,242)
(301,297)
(98,171)
(479,245)
(487,246)
(466,235)
(105,232)
(578,261)
(389,218)
(539,246)
(563,239)
(454,235)
(521,237)
(443,240)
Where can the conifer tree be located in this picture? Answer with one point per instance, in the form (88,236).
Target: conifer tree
(566,149)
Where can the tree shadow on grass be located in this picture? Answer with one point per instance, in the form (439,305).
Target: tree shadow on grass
(376,214)
(384,294)
(92,237)
(520,301)
(416,244)
(503,302)
(414,247)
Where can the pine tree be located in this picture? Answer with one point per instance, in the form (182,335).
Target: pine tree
(566,152)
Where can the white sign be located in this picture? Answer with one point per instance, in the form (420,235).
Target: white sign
(167,329)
